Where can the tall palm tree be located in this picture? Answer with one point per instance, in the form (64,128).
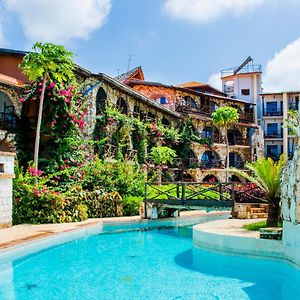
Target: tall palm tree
(266,175)
(46,61)
(222,118)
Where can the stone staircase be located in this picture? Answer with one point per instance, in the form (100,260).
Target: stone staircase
(258,212)
(250,211)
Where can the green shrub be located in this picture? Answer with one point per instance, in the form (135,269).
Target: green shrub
(100,204)
(38,204)
(120,176)
(131,205)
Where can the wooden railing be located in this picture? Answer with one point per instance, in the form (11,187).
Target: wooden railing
(190,194)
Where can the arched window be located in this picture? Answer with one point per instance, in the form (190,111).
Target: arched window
(7,112)
(122,106)
(5,102)
(101,100)
(210,179)
(234,178)
(210,159)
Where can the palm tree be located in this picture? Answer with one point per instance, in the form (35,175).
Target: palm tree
(266,175)
(46,61)
(222,117)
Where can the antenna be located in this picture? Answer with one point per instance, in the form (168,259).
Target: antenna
(129,61)
(249,58)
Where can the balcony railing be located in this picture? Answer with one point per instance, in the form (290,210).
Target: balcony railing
(273,134)
(8,121)
(238,141)
(246,117)
(273,113)
(247,69)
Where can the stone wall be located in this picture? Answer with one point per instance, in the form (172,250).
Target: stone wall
(6,176)
(290,208)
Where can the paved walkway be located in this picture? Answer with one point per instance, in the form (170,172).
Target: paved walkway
(24,233)
(230,227)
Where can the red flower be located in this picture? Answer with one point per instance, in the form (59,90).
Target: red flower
(22,100)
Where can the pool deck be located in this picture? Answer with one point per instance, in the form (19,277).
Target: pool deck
(229,236)
(21,234)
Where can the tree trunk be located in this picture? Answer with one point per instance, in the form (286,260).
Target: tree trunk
(273,212)
(39,122)
(159,175)
(227,155)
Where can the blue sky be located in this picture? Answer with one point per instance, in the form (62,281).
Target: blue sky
(173,40)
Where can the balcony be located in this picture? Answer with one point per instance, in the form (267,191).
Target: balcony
(273,134)
(273,113)
(246,118)
(255,68)
(237,140)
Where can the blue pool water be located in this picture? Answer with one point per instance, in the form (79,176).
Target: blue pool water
(154,264)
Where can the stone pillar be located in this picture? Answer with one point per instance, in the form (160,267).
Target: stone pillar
(6,176)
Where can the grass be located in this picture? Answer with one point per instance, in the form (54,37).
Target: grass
(258,225)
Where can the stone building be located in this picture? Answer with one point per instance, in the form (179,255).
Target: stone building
(207,162)
(145,100)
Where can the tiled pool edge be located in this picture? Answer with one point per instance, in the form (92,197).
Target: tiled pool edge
(54,239)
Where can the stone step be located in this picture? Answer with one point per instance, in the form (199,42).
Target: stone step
(264,205)
(258,210)
(258,215)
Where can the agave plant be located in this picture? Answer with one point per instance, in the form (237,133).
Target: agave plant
(266,175)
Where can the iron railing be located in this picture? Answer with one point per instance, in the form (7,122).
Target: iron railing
(273,134)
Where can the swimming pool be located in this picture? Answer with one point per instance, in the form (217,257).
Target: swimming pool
(160,263)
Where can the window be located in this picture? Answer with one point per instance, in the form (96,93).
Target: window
(163,100)
(101,101)
(1,168)
(272,128)
(272,151)
(245,92)
(271,107)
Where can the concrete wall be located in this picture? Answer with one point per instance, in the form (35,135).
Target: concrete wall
(6,175)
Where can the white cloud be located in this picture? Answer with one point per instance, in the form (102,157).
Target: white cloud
(203,11)
(59,21)
(283,70)
(215,81)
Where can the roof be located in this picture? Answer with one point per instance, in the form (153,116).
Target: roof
(11,81)
(280,93)
(13,52)
(191,84)
(136,94)
(186,90)
(136,73)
